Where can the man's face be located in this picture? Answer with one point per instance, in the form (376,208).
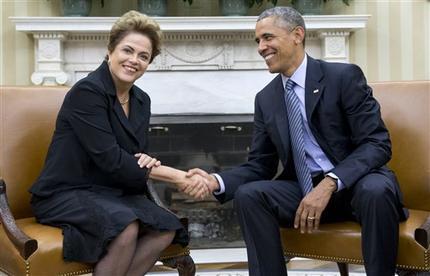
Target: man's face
(281,48)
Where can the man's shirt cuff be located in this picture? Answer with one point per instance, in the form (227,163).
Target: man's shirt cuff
(221,184)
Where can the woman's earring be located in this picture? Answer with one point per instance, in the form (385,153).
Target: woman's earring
(109,62)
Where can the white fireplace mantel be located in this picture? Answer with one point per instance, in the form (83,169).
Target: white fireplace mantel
(182,24)
(219,52)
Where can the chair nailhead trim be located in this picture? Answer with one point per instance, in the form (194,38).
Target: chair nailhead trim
(79,272)
(334,259)
(355,261)
(186,253)
(27,268)
(84,271)
(426,258)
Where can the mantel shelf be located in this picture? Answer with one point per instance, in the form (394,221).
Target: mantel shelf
(182,24)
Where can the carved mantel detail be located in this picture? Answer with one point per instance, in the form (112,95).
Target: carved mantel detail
(49,56)
(196,52)
(67,47)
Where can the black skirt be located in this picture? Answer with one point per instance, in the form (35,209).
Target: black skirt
(90,219)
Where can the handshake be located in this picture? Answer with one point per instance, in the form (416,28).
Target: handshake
(198,184)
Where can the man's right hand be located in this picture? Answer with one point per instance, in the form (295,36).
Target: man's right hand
(211,180)
(308,214)
(195,186)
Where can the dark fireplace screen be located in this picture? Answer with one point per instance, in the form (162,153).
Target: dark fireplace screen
(211,146)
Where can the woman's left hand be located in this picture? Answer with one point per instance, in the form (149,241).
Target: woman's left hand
(147,161)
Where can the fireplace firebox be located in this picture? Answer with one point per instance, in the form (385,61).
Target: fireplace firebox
(212,143)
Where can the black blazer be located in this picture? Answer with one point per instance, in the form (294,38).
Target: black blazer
(343,116)
(94,142)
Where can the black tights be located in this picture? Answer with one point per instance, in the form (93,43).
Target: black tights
(130,255)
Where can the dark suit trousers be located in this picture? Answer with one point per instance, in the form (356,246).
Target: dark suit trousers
(264,206)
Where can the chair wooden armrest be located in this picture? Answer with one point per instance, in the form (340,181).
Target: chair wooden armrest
(422,234)
(23,243)
(185,263)
(153,195)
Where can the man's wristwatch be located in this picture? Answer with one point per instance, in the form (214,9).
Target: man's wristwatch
(335,179)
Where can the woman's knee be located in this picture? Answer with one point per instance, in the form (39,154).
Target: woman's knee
(129,235)
(164,238)
(168,237)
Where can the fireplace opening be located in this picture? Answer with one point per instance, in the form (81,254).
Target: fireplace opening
(212,143)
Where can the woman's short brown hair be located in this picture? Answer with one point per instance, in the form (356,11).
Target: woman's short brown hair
(134,21)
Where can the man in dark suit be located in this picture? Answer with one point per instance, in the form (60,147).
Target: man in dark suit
(333,150)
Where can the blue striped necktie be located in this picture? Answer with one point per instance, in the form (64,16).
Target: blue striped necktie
(296,135)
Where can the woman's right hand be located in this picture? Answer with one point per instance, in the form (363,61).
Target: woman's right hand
(147,161)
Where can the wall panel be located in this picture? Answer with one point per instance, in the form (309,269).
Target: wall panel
(395,45)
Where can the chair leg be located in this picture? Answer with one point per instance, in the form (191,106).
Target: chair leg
(343,269)
(184,264)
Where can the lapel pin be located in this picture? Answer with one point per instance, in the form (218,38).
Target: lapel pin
(316,91)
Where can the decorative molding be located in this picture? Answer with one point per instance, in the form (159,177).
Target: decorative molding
(184,24)
(334,45)
(208,36)
(49,78)
(49,58)
(190,43)
(88,37)
(50,35)
(206,65)
(194,52)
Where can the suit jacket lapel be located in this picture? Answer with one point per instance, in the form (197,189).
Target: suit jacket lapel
(136,116)
(119,112)
(314,90)
(110,90)
(313,86)
(280,110)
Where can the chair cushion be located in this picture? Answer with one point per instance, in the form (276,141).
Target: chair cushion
(48,258)
(341,242)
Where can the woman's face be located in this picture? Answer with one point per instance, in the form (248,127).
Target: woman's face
(130,59)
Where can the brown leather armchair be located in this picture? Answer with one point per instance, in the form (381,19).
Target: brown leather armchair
(27,117)
(406,112)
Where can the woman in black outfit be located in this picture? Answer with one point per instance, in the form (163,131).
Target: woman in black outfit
(93,184)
